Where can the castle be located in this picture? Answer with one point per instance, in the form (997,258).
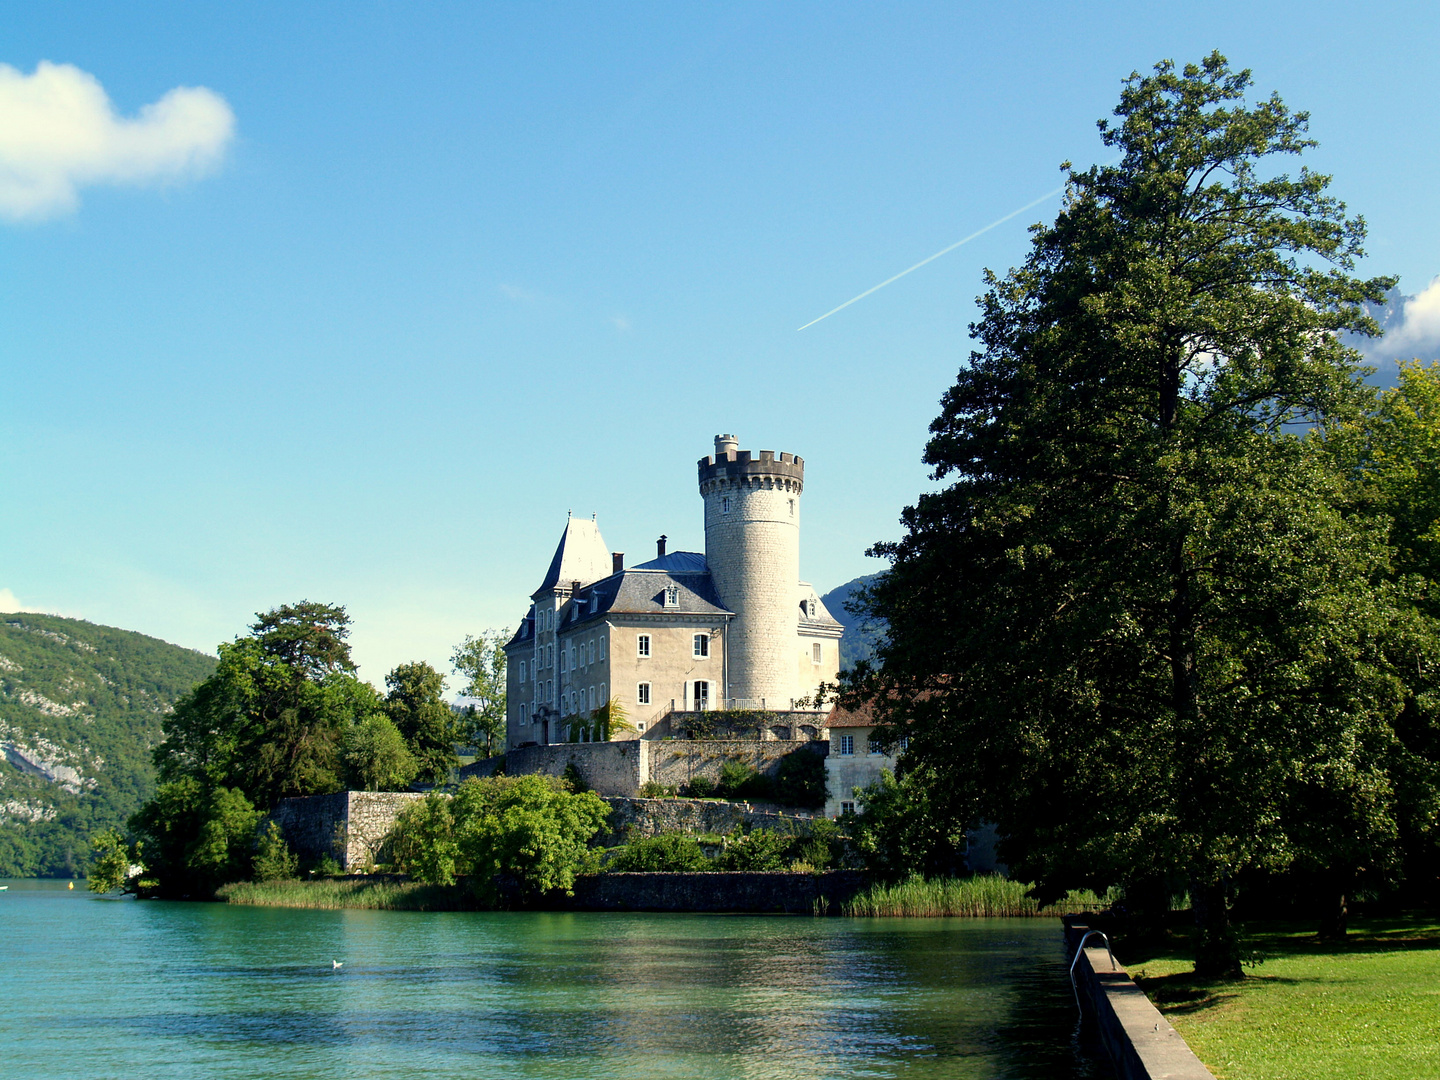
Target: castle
(686,632)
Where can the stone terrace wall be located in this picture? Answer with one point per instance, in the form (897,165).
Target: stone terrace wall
(610,768)
(678,761)
(634,819)
(755,891)
(349,826)
(314,826)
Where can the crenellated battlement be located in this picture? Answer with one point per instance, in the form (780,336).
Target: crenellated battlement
(732,464)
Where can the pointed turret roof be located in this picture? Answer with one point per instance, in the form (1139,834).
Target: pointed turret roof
(580,556)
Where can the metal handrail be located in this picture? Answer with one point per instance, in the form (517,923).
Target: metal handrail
(1076,959)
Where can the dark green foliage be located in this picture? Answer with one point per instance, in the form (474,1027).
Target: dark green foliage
(739,780)
(481,659)
(274,861)
(700,787)
(422,844)
(800,780)
(674,852)
(572,776)
(97,696)
(760,849)
(1140,629)
(427,723)
(653,789)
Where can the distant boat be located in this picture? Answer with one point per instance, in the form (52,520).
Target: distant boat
(4,887)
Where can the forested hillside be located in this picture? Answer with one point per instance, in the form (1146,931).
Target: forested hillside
(861,634)
(80,710)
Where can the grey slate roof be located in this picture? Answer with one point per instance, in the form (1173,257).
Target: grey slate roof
(639,591)
(580,556)
(678,562)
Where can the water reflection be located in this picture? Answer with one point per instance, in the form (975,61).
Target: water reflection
(201,989)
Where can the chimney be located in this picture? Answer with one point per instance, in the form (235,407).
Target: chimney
(725,444)
(660,547)
(617,561)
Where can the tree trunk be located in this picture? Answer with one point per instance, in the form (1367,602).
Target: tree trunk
(1335,921)
(1217,946)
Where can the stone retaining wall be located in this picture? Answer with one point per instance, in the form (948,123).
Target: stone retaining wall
(676,762)
(1140,1041)
(610,768)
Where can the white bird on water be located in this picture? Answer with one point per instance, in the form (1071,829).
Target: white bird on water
(336,965)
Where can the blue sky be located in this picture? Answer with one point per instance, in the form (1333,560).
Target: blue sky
(433,275)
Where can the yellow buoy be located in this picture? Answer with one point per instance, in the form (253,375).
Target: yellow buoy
(70,885)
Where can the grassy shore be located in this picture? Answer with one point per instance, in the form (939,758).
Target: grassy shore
(982,896)
(379,895)
(1369,1007)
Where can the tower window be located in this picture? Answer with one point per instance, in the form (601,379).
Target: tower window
(815,653)
(725,505)
(642,645)
(792,507)
(642,693)
(702,645)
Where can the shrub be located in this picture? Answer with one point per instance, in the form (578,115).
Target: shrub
(573,777)
(532,828)
(274,861)
(761,849)
(376,757)
(669,851)
(700,787)
(654,790)
(800,780)
(422,844)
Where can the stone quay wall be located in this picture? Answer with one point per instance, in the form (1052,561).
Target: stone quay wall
(747,891)
(635,819)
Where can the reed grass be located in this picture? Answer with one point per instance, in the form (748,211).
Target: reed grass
(333,894)
(978,897)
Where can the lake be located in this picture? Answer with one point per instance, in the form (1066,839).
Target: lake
(102,987)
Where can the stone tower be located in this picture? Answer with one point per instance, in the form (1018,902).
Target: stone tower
(752,548)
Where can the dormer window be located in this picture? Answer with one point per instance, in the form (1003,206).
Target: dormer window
(672,595)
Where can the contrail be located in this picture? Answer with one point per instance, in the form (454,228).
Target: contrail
(943,251)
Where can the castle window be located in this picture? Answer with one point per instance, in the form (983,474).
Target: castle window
(792,507)
(522,670)
(592,697)
(847,744)
(702,645)
(602,648)
(642,645)
(903,744)
(815,653)
(672,595)
(702,695)
(725,505)
(603,698)
(642,693)
(590,651)
(847,808)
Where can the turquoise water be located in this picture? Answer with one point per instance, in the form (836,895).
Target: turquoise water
(97,987)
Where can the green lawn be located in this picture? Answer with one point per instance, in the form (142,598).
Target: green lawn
(1367,1008)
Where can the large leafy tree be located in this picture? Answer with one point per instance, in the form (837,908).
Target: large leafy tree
(269,724)
(481,659)
(427,723)
(1135,627)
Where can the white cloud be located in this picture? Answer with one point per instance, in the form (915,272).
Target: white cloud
(514,292)
(59,132)
(1417,330)
(10,603)
(620,322)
